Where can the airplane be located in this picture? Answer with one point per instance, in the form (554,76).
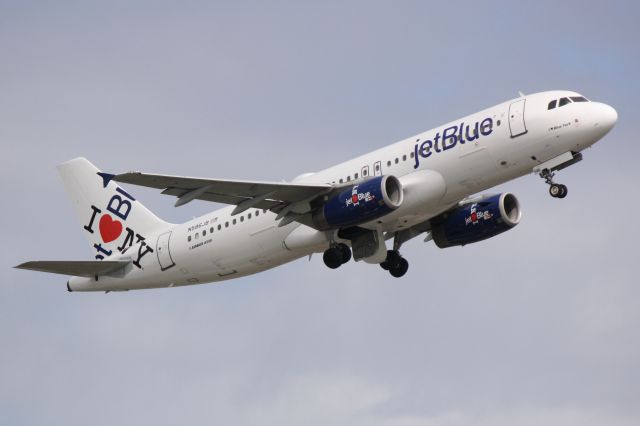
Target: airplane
(425,184)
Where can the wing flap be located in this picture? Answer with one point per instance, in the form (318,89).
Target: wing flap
(78,268)
(223,198)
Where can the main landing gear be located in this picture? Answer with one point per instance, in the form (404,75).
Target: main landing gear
(556,190)
(395,264)
(337,255)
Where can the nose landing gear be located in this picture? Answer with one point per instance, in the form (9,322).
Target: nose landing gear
(556,190)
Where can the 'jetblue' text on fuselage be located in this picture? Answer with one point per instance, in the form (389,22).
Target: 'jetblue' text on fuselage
(450,137)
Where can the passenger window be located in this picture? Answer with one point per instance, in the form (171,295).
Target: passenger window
(397,160)
(257,213)
(189,238)
(388,163)
(579,99)
(348,178)
(235,221)
(249,216)
(552,104)
(404,157)
(219,227)
(563,102)
(226,224)
(341,180)
(412,154)
(211,230)
(377,166)
(204,232)
(241,218)
(355,176)
(197,235)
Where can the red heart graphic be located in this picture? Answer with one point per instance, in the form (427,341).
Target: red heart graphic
(109,229)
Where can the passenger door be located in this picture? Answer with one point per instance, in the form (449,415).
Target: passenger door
(516,118)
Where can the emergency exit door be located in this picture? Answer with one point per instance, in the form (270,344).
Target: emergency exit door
(162,250)
(516,118)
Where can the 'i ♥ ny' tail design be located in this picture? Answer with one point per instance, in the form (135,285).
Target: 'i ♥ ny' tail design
(113,220)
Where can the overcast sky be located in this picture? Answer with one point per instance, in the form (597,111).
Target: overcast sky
(540,325)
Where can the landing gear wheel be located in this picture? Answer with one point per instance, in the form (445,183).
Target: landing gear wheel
(563,191)
(345,252)
(392,260)
(332,258)
(337,255)
(395,264)
(400,269)
(555,190)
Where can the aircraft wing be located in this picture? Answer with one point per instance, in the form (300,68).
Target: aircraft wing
(78,268)
(274,196)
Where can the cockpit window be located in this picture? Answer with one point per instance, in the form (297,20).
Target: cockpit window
(564,101)
(579,99)
(552,104)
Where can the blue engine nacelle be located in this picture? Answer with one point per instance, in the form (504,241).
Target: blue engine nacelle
(360,203)
(476,221)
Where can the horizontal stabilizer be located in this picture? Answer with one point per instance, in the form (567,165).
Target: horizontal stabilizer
(79,268)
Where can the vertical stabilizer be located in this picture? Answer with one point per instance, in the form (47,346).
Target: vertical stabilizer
(111,219)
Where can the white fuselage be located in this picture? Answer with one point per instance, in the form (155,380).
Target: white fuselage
(523,134)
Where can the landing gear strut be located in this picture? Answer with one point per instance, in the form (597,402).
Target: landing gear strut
(336,255)
(395,264)
(556,190)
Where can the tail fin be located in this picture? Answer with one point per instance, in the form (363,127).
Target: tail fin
(112,220)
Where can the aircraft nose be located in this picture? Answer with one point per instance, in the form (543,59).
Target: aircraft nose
(607,117)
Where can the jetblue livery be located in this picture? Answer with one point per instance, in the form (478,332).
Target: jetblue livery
(364,209)
(450,137)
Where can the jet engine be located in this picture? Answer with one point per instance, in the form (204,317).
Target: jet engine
(476,221)
(360,203)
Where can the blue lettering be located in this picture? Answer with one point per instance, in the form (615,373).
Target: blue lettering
(486,127)
(119,206)
(450,138)
(474,135)
(435,140)
(460,138)
(449,134)
(102,250)
(425,149)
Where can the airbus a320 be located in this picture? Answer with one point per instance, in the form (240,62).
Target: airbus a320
(362,209)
